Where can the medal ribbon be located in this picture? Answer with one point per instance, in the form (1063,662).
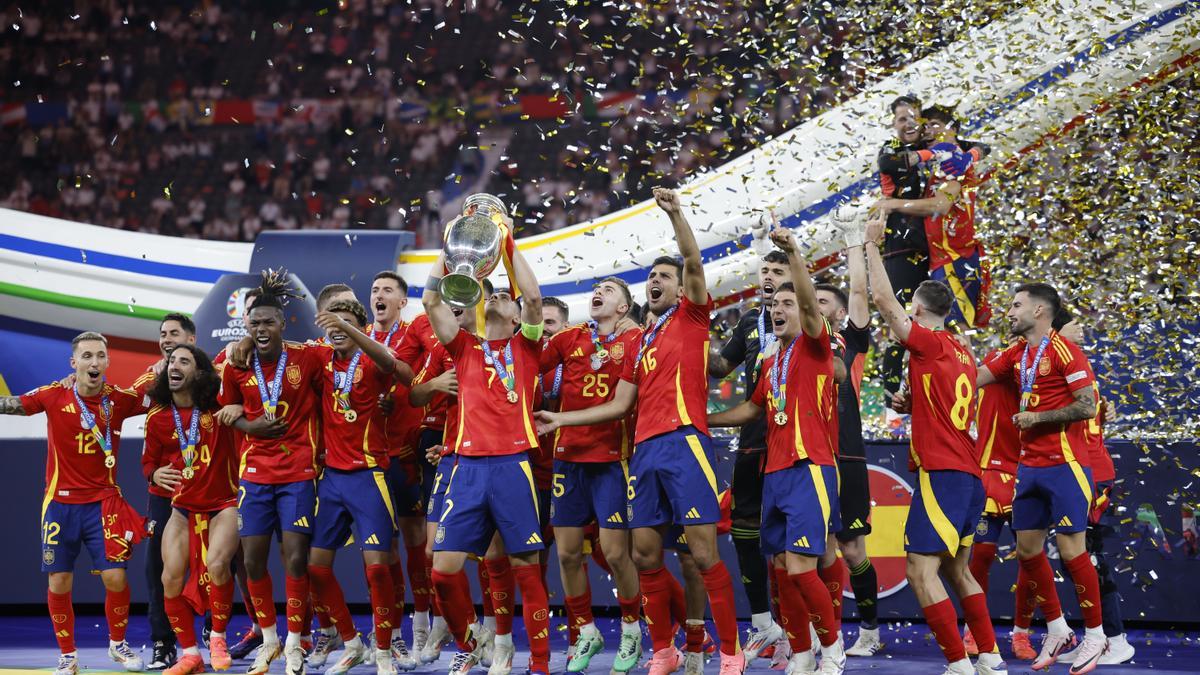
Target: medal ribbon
(187,444)
(553,392)
(765,339)
(341,397)
(270,400)
(598,342)
(779,383)
(652,334)
(504,370)
(1028,375)
(88,421)
(387,342)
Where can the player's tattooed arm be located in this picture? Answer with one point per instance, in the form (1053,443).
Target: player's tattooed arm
(11,405)
(1082,408)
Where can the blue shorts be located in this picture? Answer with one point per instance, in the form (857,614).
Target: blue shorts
(65,527)
(989,529)
(437,490)
(407,492)
(671,480)
(799,509)
(587,491)
(354,501)
(1052,496)
(488,495)
(676,539)
(264,509)
(945,510)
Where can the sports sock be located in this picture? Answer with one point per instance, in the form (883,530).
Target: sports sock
(183,620)
(677,599)
(396,569)
(536,612)
(454,599)
(432,595)
(693,636)
(983,554)
(418,577)
(484,589)
(975,611)
(834,577)
(820,609)
(943,623)
(631,609)
(1087,585)
(865,584)
(296,590)
(753,568)
(62,619)
(116,610)
(656,591)
(220,599)
(262,596)
(1039,579)
(724,613)
(579,612)
(1025,605)
(333,602)
(501,586)
(793,613)
(383,603)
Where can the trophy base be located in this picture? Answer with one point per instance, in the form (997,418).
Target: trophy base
(461,290)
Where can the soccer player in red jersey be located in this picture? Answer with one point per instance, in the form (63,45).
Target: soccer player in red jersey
(946,508)
(581,366)
(195,459)
(797,392)
(1054,482)
(671,475)
(278,467)
(353,492)
(83,505)
(389,296)
(491,488)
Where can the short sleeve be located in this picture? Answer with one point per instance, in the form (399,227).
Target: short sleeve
(734,351)
(759,397)
(129,402)
(459,345)
(1077,372)
(1001,364)
(231,393)
(921,342)
(409,349)
(35,401)
(552,353)
(152,452)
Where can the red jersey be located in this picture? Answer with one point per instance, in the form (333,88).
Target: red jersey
(941,374)
(952,235)
(417,341)
(541,457)
(488,424)
(1093,431)
(214,484)
(441,407)
(142,386)
(997,440)
(672,375)
(582,386)
(75,470)
(404,423)
(809,403)
(1062,371)
(355,440)
(292,457)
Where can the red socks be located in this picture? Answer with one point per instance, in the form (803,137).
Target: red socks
(1040,580)
(383,603)
(631,608)
(484,586)
(678,600)
(262,596)
(502,589)
(220,600)
(580,606)
(1026,606)
(296,590)
(982,557)
(536,612)
(656,592)
(975,611)
(454,600)
(437,611)
(418,577)
(332,602)
(183,621)
(943,623)
(1087,586)
(62,620)
(793,613)
(693,636)
(116,610)
(720,598)
(820,608)
(834,577)
(397,571)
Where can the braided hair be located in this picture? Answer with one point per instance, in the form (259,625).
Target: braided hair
(274,290)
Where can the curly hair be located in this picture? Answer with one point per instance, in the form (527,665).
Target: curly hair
(205,386)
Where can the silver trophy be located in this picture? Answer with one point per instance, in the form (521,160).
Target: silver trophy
(472,249)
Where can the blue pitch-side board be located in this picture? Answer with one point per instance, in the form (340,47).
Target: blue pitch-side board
(1153,564)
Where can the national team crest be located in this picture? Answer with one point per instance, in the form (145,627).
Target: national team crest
(206,421)
(293,375)
(617,352)
(47,556)
(440,536)
(1044,367)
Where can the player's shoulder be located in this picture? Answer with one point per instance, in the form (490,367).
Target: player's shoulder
(572,332)
(145,377)
(52,389)
(153,414)
(1066,350)
(111,389)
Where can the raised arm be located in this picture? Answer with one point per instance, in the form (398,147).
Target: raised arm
(806,294)
(859,309)
(376,351)
(881,287)
(445,326)
(11,405)
(694,286)
(531,295)
(941,201)
(742,413)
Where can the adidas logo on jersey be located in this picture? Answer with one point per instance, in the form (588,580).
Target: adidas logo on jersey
(692,513)
(1065,522)
(301,522)
(69,408)
(372,539)
(802,542)
(534,538)
(857,523)
(615,518)
(578,352)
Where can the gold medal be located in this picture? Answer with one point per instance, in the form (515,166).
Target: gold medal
(110,461)
(188,473)
(512,396)
(781,418)
(350,415)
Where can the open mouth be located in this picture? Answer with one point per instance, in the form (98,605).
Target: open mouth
(175,377)
(94,373)
(263,341)
(338,338)
(768,289)
(779,323)
(654,292)
(380,307)
(597,302)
